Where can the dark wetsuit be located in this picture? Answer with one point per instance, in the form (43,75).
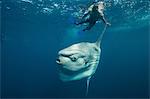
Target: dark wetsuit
(94,15)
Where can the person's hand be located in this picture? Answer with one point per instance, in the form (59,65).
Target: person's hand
(108,24)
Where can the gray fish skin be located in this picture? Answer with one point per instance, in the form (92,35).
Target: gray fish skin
(78,61)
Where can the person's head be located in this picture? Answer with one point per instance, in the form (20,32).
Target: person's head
(101,3)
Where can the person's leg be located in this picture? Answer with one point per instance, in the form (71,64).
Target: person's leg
(89,26)
(84,21)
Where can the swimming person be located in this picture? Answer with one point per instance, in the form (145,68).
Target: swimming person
(95,12)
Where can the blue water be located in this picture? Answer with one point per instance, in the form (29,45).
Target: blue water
(34,31)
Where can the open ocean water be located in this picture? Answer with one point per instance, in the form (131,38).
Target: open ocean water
(33,31)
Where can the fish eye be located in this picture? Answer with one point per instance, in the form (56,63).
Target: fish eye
(73,58)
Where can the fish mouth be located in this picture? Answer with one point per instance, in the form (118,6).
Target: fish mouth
(58,61)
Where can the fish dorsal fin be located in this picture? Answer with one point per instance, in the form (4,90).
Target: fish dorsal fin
(98,42)
(87,85)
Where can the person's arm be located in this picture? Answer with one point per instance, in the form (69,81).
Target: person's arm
(85,14)
(88,11)
(104,20)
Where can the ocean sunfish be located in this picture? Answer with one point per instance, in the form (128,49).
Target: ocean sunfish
(79,60)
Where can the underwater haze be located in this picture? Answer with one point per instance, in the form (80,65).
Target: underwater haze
(33,31)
